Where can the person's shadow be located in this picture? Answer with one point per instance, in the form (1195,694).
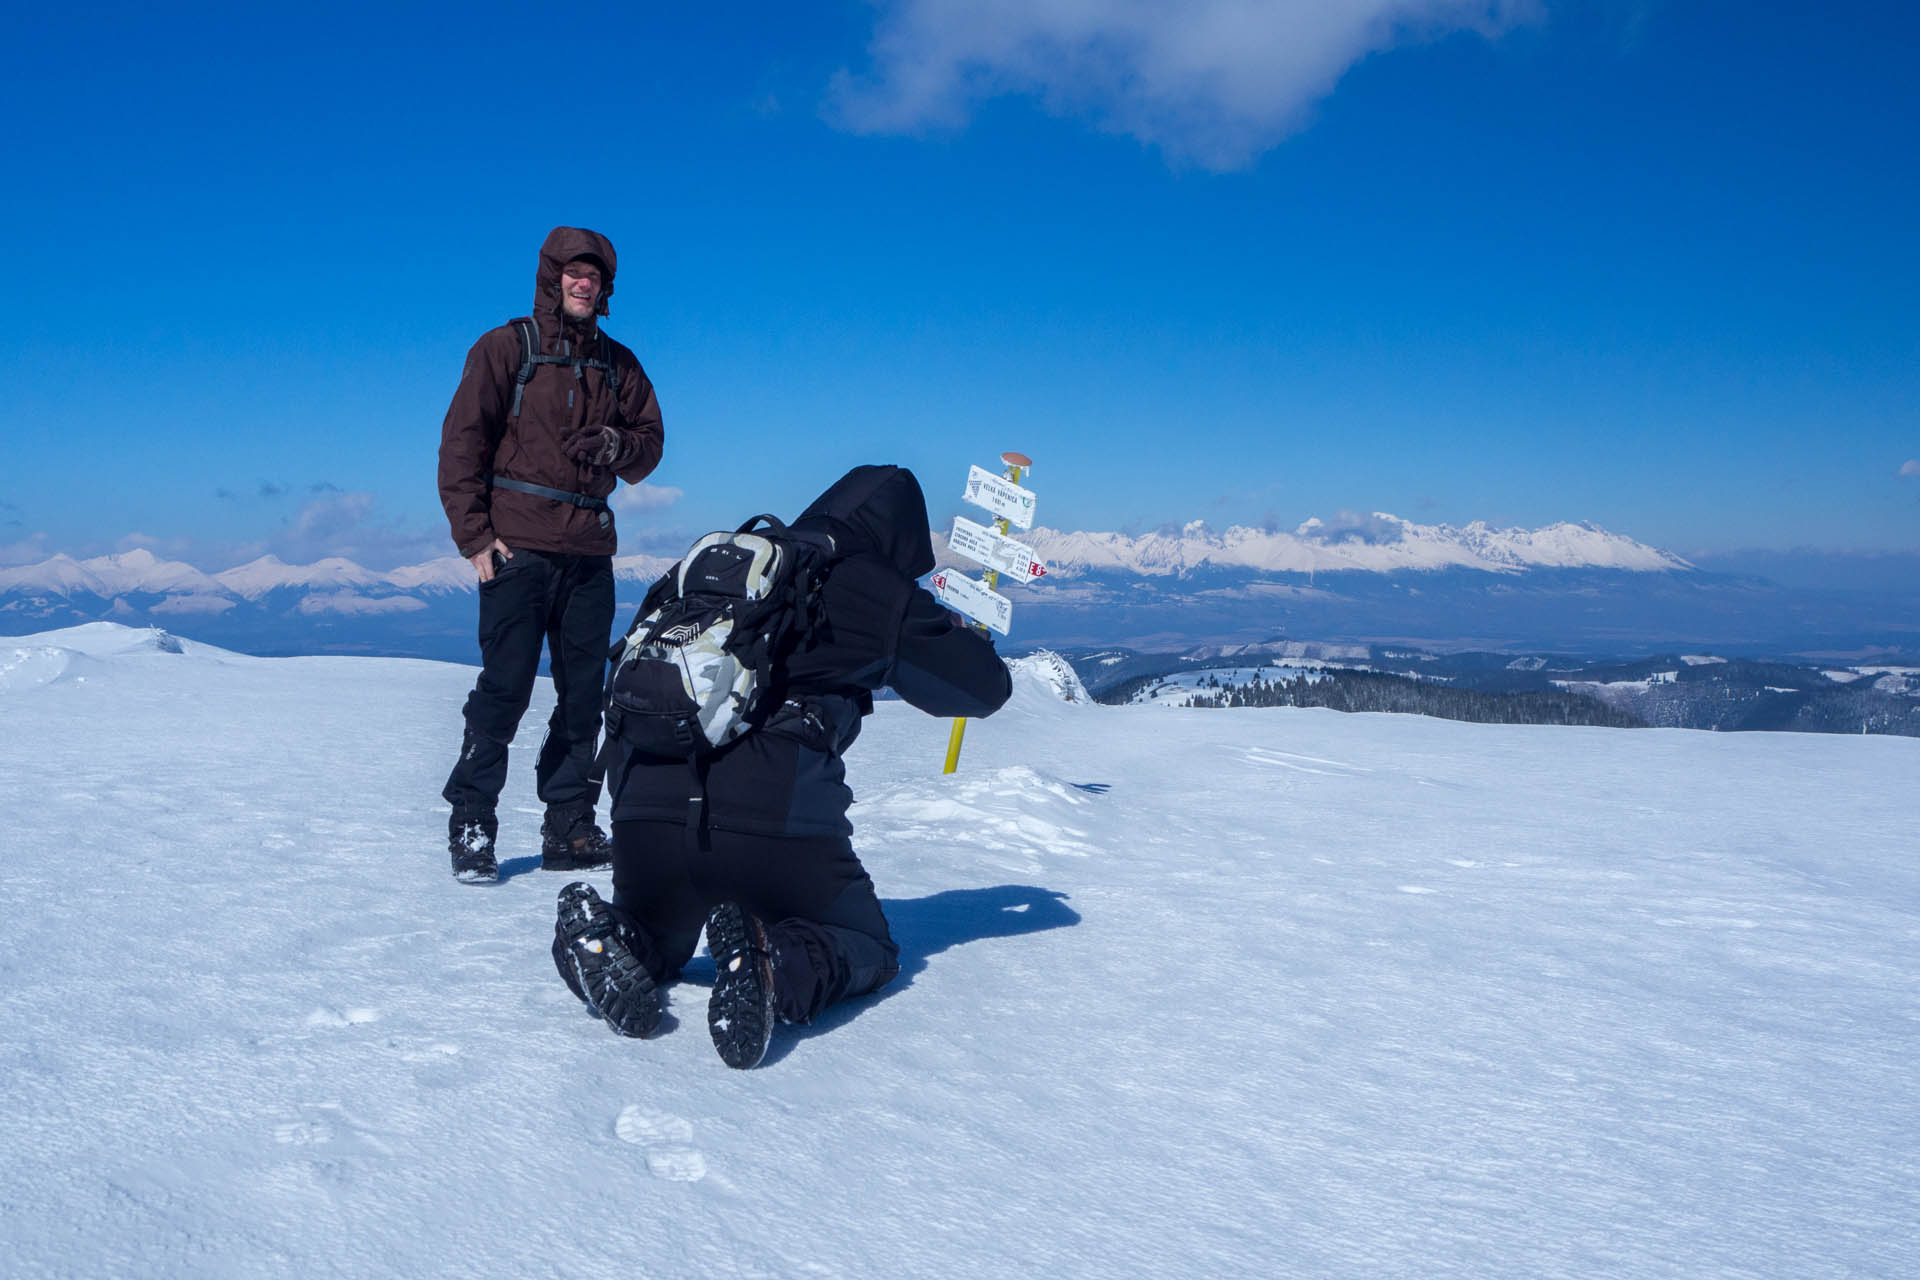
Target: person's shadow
(518,866)
(924,927)
(927,926)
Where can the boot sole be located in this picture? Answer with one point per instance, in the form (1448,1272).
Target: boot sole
(740,1013)
(618,986)
(476,871)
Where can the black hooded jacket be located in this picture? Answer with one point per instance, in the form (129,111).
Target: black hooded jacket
(876,629)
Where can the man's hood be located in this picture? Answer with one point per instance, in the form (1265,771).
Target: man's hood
(876,508)
(563,245)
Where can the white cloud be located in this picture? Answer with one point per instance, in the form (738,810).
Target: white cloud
(1372,528)
(1214,82)
(191,605)
(164,548)
(644,497)
(332,514)
(346,602)
(29,550)
(1910,468)
(348,524)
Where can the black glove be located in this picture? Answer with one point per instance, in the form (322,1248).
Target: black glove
(596,446)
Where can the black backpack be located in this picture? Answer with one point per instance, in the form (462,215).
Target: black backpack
(695,670)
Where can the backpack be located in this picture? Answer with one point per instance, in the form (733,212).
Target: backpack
(695,670)
(531,358)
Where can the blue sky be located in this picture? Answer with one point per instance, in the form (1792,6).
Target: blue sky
(1651,265)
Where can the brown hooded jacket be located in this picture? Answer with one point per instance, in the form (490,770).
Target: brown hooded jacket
(479,439)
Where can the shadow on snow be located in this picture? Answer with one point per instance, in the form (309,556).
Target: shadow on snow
(924,927)
(518,867)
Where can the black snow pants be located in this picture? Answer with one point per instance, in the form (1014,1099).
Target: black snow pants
(830,938)
(565,602)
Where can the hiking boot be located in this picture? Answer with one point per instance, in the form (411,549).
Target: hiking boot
(740,1012)
(470,842)
(605,972)
(570,840)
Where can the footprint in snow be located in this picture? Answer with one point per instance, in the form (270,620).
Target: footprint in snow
(667,1141)
(328,1124)
(303,1133)
(433,1063)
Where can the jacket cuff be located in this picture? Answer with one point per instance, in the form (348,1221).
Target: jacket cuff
(468,550)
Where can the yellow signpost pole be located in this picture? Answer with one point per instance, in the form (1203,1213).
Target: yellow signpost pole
(1017,466)
(953,744)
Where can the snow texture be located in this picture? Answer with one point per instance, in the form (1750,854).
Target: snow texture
(1222,993)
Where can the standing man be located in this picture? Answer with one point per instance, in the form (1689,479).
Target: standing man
(549,411)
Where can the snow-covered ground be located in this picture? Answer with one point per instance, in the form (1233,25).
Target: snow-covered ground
(1254,993)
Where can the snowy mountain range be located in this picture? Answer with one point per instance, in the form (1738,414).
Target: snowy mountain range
(268,606)
(188,590)
(1377,578)
(1381,543)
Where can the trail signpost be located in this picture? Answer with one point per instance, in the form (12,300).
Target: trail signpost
(975,598)
(1002,495)
(995,550)
(987,607)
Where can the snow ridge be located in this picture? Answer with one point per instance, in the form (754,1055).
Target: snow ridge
(1047,670)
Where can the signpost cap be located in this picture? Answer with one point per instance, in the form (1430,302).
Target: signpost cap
(1013,459)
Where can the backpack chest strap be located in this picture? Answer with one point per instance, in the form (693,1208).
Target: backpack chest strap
(531,358)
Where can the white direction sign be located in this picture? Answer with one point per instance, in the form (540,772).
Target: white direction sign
(975,599)
(994,550)
(1001,496)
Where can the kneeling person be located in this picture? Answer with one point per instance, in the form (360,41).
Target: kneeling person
(791,917)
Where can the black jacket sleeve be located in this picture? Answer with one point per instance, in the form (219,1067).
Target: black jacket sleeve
(943,668)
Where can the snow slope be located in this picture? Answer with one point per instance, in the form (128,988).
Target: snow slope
(1259,993)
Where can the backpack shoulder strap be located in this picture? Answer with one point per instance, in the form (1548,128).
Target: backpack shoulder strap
(529,356)
(612,370)
(774,523)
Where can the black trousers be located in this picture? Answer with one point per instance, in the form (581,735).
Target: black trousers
(566,603)
(830,938)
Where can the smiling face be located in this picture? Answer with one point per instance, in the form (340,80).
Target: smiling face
(580,285)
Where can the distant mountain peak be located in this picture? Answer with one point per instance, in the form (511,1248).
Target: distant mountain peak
(138,570)
(1379,542)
